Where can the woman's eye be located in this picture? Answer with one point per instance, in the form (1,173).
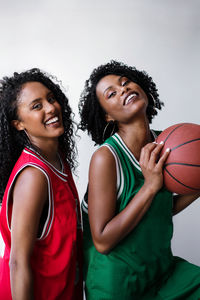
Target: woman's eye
(51,99)
(36,106)
(125,82)
(111,95)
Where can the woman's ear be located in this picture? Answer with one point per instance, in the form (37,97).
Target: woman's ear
(17,124)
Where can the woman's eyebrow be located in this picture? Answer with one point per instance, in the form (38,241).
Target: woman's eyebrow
(107,89)
(119,79)
(34,100)
(39,98)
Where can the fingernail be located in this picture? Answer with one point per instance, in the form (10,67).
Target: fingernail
(168,150)
(155,142)
(162,143)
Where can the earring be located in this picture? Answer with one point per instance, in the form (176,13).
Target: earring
(106,128)
(27,136)
(26,133)
(152,97)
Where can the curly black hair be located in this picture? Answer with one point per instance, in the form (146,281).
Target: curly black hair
(92,114)
(12,141)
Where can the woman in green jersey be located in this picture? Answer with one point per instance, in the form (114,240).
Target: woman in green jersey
(128,216)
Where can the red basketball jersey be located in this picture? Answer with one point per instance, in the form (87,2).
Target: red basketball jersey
(57,256)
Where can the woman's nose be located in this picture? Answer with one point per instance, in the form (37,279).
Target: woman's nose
(124,89)
(49,107)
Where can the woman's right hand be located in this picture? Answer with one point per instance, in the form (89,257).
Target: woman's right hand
(152,164)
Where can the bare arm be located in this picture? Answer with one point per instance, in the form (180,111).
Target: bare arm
(29,195)
(182,201)
(107,228)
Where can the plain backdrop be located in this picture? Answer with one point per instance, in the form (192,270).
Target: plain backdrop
(69,38)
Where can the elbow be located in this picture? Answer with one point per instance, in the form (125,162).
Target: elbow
(13,264)
(17,263)
(102,247)
(102,241)
(174,212)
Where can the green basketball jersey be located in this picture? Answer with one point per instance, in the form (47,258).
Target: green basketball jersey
(141,265)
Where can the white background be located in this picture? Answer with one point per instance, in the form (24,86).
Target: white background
(70,38)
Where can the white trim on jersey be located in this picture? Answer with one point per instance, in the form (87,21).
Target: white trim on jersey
(120,175)
(42,159)
(135,162)
(132,158)
(84,206)
(50,194)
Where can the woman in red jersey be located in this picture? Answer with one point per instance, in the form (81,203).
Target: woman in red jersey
(40,216)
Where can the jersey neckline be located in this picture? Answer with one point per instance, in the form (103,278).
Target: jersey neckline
(41,158)
(131,156)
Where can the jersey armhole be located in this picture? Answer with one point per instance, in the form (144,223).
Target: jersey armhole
(120,176)
(48,222)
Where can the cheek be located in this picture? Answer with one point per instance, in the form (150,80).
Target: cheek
(33,121)
(58,106)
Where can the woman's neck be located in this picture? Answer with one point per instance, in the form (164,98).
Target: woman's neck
(49,150)
(136,136)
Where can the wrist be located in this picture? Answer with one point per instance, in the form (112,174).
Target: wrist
(150,189)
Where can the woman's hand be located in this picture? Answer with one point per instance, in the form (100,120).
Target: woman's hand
(152,165)
(107,227)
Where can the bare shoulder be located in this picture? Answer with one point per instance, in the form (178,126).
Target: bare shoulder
(103,157)
(29,195)
(32,184)
(103,167)
(31,176)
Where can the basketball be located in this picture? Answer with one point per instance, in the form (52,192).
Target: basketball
(182,168)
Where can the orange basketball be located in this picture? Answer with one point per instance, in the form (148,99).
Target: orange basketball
(182,167)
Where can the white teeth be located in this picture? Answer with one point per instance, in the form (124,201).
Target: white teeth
(128,99)
(55,119)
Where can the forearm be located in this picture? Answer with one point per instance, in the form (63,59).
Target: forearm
(124,222)
(107,228)
(182,201)
(21,282)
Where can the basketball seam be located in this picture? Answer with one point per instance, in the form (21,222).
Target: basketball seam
(182,164)
(173,131)
(189,187)
(185,143)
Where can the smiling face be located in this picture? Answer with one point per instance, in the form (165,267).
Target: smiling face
(121,99)
(39,113)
